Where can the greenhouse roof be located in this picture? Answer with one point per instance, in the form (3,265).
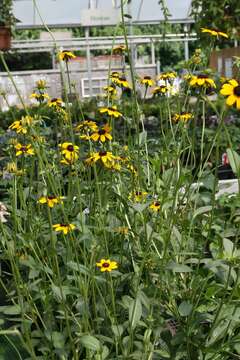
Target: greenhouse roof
(56,13)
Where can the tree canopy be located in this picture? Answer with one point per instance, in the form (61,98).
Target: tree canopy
(223,15)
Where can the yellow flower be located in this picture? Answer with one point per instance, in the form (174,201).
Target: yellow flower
(111,111)
(67,161)
(183,117)
(66,55)
(114,75)
(119,49)
(102,134)
(51,201)
(64,228)
(55,102)
(107,265)
(105,157)
(232,91)
(160,90)
(40,97)
(69,151)
(110,90)
(147,81)
(41,84)
(39,139)
(21,126)
(201,80)
(24,149)
(122,82)
(170,75)
(12,168)
(86,126)
(121,230)
(155,206)
(137,196)
(16,125)
(132,169)
(214,32)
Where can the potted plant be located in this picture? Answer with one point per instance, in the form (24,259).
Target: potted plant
(7,20)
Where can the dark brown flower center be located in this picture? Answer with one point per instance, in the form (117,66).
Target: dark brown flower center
(147,77)
(157,203)
(63,225)
(102,153)
(23,149)
(70,148)
(138,193)
(102,132)
(202,76)
(105,265)
(236,90)
(51,197)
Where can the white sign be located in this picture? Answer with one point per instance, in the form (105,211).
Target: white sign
(99,17)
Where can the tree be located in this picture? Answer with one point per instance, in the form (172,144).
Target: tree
(222,15)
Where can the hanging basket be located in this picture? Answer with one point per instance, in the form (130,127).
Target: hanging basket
(5,38)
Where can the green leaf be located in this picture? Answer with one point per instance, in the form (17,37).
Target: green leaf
(58,340)
(178,267)
(11,310)
(140,207)
(78,267)
(117,330)
(234,160)
(135,312)
(228,248)
(201,210)
(90,342)
(185,308)
(142,137)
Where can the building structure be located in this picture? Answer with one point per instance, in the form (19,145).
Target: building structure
(91,13)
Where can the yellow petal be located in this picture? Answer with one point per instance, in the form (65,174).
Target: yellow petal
(231,100)
(233,82)
(201,81)
(238,103)
(227,89)
(42,200)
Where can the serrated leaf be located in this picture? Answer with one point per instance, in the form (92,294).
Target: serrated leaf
(90,342)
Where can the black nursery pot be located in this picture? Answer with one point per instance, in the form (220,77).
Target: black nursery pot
(225,172)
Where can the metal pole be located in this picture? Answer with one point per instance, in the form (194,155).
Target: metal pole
(53,59)
(186,45)
(158,67)
(186,50)
(153,53)
(130,27)
(89,64)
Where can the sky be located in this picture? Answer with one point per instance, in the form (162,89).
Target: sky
(57,12)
